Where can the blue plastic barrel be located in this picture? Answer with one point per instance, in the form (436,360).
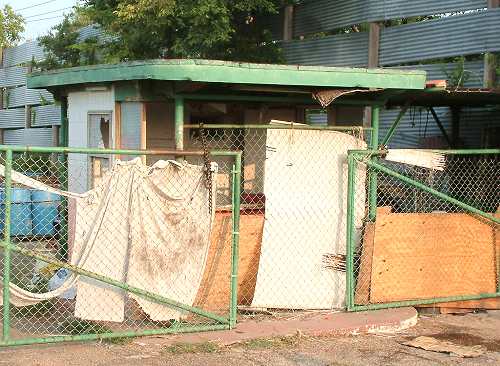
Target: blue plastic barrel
(45,212)
(20,212)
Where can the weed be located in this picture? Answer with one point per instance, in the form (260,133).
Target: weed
(182,348)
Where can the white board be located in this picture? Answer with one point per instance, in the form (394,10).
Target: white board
(305,186)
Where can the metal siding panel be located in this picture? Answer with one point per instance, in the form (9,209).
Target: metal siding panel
(23,53)
(473,123)
(12,118)
(338,50)
(416,124)
(131,125)
(13,76)
(474,69)
(46,115)
(315,16)
(30,137)
(22,96)
(466,34)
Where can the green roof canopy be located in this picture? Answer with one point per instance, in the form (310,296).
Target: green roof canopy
(208,71)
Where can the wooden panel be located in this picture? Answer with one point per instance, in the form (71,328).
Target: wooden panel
(362,295)
(489,304)
(214,290)
(422,256)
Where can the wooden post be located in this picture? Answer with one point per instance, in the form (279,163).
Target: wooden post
(374,45)
(490,60)
(455,126)
(143,129)
(288,23)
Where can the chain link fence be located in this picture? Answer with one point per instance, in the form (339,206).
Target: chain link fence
(433,236)
(97,244)
(293,210)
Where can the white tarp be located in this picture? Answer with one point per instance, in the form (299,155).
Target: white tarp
(145,226)
(305,186)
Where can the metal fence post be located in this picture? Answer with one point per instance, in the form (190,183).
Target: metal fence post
(372,213)
(352,165)
(233,313)
(6,248)
(179,123)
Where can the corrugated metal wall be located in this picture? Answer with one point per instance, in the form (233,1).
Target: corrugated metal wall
(131,125)
(452,36)
(315,16)
(16,96)
(418,124)
(474,32)
(339,50)
(28,136)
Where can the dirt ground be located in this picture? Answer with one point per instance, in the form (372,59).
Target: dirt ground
(375,349)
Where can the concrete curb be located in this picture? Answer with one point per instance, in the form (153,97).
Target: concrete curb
(321,324)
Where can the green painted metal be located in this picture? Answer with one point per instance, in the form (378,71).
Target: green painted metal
(398,304)
(236,194)
(394,126)
(372,192)
(351,163)
(63,178)
(366,156)
(179,123)
(6,250)
(83,150)
(440,125)
(231,72)
(432,191)
(91,337)
(135,290)
(277,99)
(444,152)
(280,127)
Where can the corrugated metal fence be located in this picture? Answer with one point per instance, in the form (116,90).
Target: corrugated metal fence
(467,27)
(34,127)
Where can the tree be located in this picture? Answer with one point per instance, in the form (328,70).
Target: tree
(147,29)
(11,27)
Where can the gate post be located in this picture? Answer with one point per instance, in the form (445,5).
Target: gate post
(6,246)
(372,194)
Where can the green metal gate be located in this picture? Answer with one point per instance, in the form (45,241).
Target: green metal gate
(35,249)
(456,214)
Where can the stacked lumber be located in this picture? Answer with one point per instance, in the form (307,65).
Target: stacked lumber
(412,256)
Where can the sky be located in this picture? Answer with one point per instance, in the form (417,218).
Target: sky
(40,15)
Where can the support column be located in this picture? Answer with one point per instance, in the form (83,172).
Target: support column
(6,248)
(455,126)
(372,194)
(373,61)
(179,123)
(490,60)
(288,23)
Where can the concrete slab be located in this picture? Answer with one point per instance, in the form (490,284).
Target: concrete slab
(321,324)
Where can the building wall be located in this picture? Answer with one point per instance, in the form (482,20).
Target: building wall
(80,103)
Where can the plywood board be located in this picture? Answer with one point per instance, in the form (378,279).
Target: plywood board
(490,304)
(214,292)
(362,295)
(422,256)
